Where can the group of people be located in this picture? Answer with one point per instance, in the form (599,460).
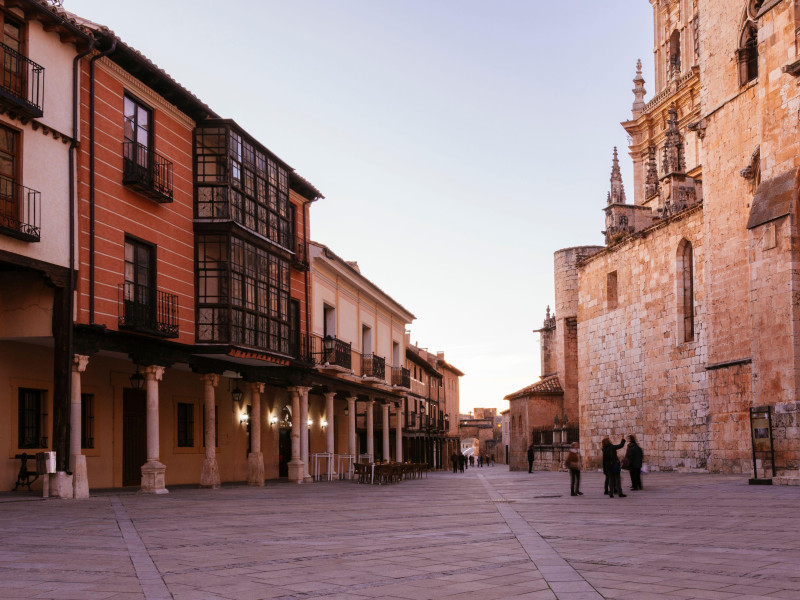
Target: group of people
(612,466)
(460,461)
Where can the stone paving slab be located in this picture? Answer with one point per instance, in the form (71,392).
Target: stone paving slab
(488,533)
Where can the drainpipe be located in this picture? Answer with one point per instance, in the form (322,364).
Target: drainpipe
(305,275)
(91,175)
(72,210)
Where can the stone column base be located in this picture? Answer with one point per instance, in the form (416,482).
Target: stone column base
(210,476)
(60,485)
(154,478)
(255,469)
(296,469)
(80,479)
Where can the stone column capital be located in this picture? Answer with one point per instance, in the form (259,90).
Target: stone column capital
(79,362)
(153,373)
(257,387)
(211,379)
(300,390)
(352,398)
(329,395)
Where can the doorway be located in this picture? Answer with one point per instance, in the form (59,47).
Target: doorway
(284,451)
(134,435)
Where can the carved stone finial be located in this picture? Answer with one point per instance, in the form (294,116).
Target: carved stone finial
(617,194)
(673,161)
(651,182)
(638,90)
(547,314)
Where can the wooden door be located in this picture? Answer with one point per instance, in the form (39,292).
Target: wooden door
(134,435)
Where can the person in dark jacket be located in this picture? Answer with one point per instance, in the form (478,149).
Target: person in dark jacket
(635,458)
(530,458)
(612,466)
(454,460)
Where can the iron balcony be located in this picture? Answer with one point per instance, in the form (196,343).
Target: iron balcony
(20,211)
(22,84)
(401,377)
(148,311)
(373,366)
(147,172)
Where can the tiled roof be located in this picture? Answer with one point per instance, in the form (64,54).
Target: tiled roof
(548,386)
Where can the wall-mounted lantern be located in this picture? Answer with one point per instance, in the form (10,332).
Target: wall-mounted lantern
(137,380)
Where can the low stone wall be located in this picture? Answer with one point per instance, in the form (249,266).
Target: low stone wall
(550,458)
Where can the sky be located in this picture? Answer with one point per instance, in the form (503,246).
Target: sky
(458,143)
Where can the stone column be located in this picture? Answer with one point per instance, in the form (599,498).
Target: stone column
(330,431)
(296,463)
(398,434)
(210,475)
(387,455)
(77,461)
(255,460)
(303,391)
(351,427)
(153,471)
(370,431)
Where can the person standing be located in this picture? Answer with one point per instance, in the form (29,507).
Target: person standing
(462,462)
(530,458)
(612,466)
(454,460)
(574,463)
(635,457)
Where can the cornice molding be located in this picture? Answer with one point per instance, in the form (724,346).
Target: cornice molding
(145,92)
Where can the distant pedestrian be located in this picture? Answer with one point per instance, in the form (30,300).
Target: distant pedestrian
(454,460)
(471,460)
(635,457)
(530,458)
(462,462)
(612,467)
(480,460)
(574,463)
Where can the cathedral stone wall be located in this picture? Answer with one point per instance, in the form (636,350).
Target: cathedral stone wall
(636,375)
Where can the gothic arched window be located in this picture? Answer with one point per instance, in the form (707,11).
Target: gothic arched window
(748,53)
(674,54)
(684,280)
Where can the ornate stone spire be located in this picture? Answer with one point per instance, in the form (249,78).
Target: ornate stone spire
(638,90)
(651,182)
(673,146)
(617,194)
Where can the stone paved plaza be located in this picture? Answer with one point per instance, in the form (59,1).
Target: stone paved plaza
(487,534)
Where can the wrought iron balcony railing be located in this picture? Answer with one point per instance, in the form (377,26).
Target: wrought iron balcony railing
(20,211)
(147,172)
(401,377)
(22,84)
(332,351)
(300,348)
(373,366)
(148,311)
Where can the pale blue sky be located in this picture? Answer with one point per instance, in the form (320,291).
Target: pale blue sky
(459,143)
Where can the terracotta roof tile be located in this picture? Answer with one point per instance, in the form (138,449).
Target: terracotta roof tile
(549,385)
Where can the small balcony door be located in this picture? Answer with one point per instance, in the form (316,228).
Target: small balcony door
(13,64)
(140,275)
(9,201)
(137,131)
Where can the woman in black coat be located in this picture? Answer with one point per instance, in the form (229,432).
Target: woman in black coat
(612,467)
(635,458)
